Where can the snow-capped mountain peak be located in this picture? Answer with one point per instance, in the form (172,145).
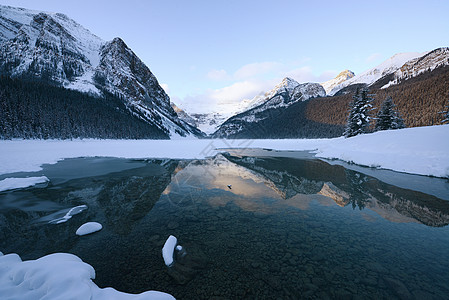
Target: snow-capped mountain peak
(55,48)
(284,94)
(340,78)
(429,61)
(389,66)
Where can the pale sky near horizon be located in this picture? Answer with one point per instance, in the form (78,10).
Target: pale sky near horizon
(216,52)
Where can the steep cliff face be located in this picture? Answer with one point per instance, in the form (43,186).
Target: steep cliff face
(54,48)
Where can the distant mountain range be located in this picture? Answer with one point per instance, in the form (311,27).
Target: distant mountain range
(277,114)
(53,48)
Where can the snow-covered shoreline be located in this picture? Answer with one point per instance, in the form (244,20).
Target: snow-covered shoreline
(47,278)
(420,150)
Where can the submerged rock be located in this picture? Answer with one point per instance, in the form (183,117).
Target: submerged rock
(88,228)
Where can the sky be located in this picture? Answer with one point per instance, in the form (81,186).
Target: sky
(210,55)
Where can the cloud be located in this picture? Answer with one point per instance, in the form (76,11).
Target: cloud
(247,82)
(218,75)
(226,100)
(373,57)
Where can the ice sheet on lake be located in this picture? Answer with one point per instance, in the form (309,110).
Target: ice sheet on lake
(88,228)
(419,150)
(20,183)
(73,211)
(58,276)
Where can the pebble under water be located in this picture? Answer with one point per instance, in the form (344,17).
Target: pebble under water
(250,227)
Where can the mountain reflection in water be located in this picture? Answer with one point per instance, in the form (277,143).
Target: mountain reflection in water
(288,228)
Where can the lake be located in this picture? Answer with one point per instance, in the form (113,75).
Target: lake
(253,225)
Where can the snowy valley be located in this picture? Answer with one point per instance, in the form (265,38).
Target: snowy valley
(307,190)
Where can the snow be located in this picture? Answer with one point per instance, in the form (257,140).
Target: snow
(58,276)
(340,78)
(168,250)
(420,150)
(389,66)
(73,211)
(20,183)
(88,228)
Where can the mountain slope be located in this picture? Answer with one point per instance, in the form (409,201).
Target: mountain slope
(428,62)
(389,66)
(339,79)
(53,48)
(285,94)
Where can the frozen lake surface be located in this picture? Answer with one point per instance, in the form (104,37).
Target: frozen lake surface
(259,224)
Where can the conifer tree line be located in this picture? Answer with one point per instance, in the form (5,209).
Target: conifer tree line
(35,109)
(445,113)
(419,100)
(359,119)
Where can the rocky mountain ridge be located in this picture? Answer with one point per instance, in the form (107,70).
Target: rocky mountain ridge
(54,48)
(339,79)
(283,95)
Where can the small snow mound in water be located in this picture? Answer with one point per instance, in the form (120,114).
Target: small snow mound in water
(58,276)
(89,227)
(168,249)
(73,211)
(20,183)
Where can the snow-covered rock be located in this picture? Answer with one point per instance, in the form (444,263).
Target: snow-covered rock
(169,249)
(339,79)
(88,228)
(20,183)
(55,48)
(58,276)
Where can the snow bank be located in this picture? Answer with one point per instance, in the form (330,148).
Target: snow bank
(88,228)
(20,183)
(421,150)
(58,276)
(169,249)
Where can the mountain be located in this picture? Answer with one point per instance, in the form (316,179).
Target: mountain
(389,66)
(428,62)
(285,94)
(339,79)
(53,48)
(290,177)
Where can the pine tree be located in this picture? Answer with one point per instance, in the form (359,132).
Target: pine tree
(359,119)
(388,117)
(445,114)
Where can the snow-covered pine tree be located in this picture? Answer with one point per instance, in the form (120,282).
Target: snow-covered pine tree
(445,114)
(359,119)
(388,117)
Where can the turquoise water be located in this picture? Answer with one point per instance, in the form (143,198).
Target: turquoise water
(286,228)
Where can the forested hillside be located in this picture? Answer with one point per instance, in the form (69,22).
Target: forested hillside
(30,109)
(419,100)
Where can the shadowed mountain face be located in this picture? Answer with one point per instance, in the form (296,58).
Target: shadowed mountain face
(53,48)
